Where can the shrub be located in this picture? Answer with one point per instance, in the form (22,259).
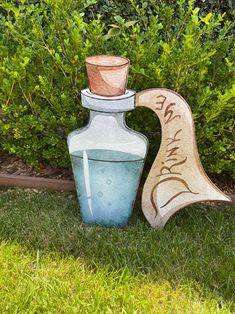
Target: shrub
(133,9)
(43,48)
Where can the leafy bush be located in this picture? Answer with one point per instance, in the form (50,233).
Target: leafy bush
(132,9)
(43,46)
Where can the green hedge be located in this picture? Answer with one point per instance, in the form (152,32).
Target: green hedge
(130,9)
(43,45)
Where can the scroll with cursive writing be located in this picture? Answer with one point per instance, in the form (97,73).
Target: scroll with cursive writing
(177,178)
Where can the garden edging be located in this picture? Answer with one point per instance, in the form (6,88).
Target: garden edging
(46,183)
(36,182)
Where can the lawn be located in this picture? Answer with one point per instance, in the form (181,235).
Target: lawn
(50,262)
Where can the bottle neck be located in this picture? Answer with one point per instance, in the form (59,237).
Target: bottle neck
(108,121)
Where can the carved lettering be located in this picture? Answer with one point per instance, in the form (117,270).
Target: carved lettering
(170,159)
(187,190)
(169,113)
(160,102)
(169,169)
(172,151)
(174,139)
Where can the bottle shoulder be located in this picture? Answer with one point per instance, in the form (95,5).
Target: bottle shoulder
(117,137)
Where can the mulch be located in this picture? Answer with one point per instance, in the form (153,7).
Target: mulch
(15,166)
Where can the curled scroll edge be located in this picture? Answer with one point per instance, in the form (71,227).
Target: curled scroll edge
(176,178)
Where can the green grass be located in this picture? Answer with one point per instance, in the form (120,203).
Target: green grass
(50,262)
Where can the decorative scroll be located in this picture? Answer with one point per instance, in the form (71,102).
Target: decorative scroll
(177,178)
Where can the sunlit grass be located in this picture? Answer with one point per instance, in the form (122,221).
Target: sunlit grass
(50,262)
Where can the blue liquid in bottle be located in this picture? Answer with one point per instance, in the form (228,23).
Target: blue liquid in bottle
(106,182)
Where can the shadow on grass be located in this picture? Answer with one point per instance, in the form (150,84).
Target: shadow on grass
(196,245)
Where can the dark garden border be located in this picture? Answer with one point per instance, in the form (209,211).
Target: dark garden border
(36,182)
(45,183)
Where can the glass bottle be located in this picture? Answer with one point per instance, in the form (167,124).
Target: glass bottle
(107,160)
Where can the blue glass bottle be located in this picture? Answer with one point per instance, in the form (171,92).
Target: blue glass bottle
(107,160)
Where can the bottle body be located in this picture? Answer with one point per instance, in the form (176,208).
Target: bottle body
(106,188)
(107,160)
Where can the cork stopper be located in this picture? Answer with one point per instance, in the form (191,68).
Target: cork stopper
(107,74)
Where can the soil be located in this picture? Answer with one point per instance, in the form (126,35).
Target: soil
(13,165)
